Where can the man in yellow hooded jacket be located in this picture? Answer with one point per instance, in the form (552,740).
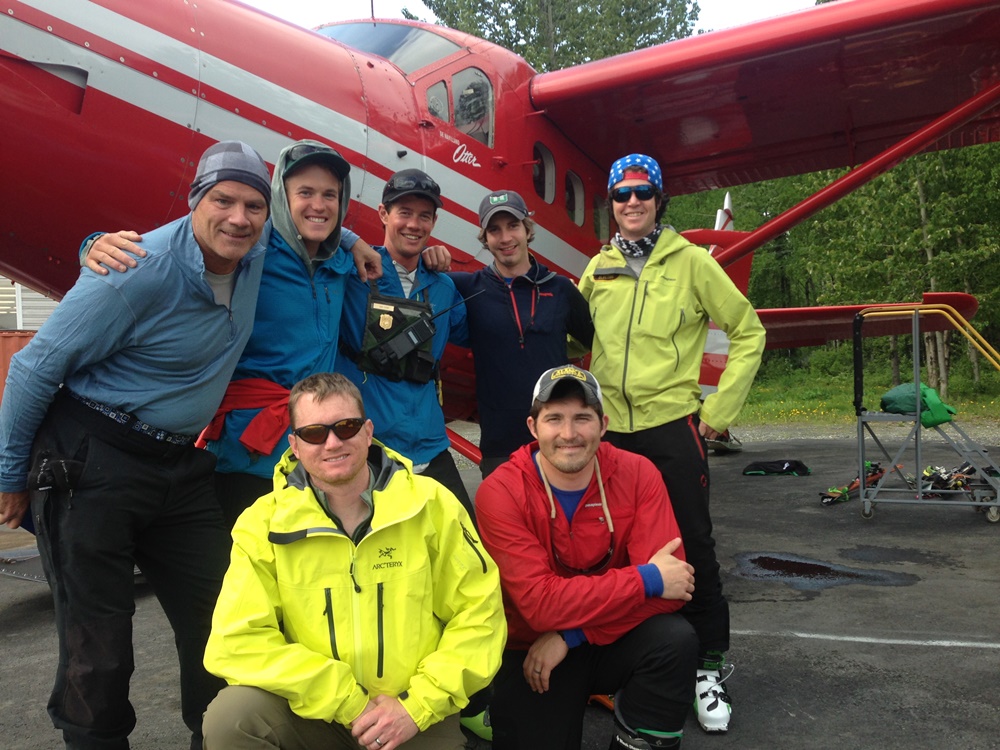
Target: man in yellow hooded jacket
(360,606)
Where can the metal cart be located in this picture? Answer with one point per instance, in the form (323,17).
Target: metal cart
(981,489)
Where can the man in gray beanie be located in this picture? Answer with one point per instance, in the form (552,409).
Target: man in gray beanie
(97,429)
(230,160)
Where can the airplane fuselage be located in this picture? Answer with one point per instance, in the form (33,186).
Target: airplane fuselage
(107,106)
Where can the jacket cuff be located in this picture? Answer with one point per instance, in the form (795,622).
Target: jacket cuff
(421,717)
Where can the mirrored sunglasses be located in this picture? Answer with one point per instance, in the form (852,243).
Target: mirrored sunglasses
(305,149)
(412,182)
(642,192)
(344,429)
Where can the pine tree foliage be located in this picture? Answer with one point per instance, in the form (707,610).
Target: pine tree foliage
(553,34)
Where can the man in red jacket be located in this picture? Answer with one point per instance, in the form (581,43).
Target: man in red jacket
(592,571)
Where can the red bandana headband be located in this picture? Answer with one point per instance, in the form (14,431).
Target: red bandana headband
(636,176)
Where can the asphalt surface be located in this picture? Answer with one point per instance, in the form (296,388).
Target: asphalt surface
(846,633)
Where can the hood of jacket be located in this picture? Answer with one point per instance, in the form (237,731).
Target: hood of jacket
(388,466)
(281,217)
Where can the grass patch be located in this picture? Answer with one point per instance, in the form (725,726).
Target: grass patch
(785,395)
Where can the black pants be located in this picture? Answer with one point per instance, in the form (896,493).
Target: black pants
(237,492)
(442,468)
(489,464)
(136,501)
(678,451)
(653,666)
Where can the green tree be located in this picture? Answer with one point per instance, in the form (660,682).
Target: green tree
(931,223)
(552,34)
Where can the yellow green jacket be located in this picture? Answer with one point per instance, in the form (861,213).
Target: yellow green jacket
(649,335)
(413,610)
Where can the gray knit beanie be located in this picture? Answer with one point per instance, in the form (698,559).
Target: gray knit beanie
(230,160)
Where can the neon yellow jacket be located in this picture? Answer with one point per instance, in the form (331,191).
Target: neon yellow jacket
(650,331)
(413,610)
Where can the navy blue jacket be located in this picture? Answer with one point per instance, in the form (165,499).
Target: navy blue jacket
(512,347)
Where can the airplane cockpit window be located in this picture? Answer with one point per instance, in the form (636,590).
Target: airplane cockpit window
(474,104)
(543,173)
(574,198)
(602,222)
(406,47)
(437,101)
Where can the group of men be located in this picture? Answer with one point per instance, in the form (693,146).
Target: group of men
(354,602)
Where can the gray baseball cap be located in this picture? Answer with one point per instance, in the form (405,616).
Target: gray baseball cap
(501,200)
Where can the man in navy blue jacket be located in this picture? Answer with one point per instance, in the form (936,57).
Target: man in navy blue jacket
(518,326)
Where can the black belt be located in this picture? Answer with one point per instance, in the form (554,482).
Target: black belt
(132,422)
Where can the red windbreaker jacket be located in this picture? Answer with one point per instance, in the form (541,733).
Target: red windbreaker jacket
(537,555)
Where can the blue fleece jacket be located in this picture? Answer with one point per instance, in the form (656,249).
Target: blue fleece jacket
(152,342)
(407,416)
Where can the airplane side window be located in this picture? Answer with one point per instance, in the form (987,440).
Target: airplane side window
(474,106)
(602,222)
(543,173)
(574,198)
(437,101)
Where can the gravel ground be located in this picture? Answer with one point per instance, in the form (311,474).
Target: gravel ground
(982,431)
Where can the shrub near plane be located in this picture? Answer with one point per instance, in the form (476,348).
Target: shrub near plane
(106,105)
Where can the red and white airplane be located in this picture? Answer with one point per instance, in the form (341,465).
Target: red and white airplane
(106,106)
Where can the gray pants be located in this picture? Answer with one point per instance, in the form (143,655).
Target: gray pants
(248,718)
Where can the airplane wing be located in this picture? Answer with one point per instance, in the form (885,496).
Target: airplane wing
(826,87)
(791,327)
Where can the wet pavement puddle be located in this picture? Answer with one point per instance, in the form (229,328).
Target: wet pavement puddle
(806,574)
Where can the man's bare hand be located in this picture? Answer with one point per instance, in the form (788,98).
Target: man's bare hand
(437,258)
(678,576)
(366,260)
(114,251)
(544,655)
(13,506)
(384,724)
(707,432)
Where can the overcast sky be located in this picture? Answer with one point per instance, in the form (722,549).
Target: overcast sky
(715,14)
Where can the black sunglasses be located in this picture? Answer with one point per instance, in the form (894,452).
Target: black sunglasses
(344,429)
(597,568)
(642,192)
(305,149)
(413,182)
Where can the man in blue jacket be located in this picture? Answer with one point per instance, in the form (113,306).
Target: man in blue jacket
(403,397)
(519,320)
(98,423)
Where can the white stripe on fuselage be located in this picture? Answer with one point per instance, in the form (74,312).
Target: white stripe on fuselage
(118,80)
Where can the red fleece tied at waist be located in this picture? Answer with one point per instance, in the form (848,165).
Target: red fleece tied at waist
(267,428)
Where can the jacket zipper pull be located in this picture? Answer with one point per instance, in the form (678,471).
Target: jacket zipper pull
(357,588)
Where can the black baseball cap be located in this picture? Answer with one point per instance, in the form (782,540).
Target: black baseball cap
(310,152)
(411,182)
